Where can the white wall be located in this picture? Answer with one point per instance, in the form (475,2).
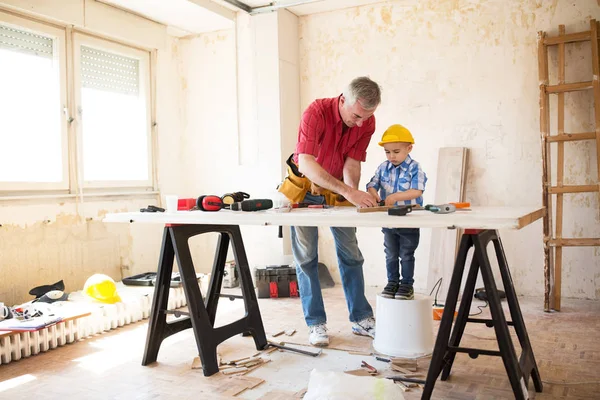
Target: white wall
(75,243)
(465,74)
(227,150)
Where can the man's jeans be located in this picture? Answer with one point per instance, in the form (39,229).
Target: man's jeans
(400,244)
(305,244)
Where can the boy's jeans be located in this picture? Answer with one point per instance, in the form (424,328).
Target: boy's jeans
(305,244)
(400,243)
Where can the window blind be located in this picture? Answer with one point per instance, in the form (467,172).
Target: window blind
(108,71)
(25,42)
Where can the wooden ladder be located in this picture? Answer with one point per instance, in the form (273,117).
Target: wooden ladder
(553,241)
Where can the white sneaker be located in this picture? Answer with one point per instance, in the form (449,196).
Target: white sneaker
(366,327)
(317,335)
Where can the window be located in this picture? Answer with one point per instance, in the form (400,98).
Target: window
(33,130)
(73,120)
(112,86)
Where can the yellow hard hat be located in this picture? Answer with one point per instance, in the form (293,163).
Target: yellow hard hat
(396,133)
(102,288)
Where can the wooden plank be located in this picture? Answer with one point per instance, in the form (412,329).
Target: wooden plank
(569,87)
(239,384)
(531,217)
(277,395)
(574,242)
(569,137)
(546,172)
(570,38)
(358,372)
(560,170)
(373,209)
(596,71)
(573,189)
(450,187)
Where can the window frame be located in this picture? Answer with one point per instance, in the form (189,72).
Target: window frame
(145,59)
(59,36)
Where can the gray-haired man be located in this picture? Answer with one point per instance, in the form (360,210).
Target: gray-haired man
(325,169)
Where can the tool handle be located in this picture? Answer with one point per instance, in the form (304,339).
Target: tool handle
(307,353)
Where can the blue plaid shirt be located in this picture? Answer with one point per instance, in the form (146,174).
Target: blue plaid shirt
(389,179)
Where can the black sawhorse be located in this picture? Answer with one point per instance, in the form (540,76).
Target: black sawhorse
(201,315)
(446,346)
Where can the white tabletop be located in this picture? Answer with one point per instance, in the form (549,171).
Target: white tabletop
(477,218)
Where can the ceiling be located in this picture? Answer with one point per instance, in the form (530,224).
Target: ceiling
(315,6)
(186,17)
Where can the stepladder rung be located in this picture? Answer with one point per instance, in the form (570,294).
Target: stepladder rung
(569,38)
(570,137)
(573,189)
(571,242)
(569,87)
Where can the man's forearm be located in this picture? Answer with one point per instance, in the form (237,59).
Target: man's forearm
(314,172)
(352,173)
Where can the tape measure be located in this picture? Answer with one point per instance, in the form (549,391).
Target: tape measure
(441,209)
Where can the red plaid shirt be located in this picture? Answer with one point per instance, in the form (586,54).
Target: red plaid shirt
(320,134)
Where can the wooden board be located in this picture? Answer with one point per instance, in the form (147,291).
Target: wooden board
(477,218)
(373,209)
(560,171)
(546,163)
(450,187)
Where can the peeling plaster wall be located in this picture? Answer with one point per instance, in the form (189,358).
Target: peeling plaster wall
(237,147)
(45,240)
(465,73)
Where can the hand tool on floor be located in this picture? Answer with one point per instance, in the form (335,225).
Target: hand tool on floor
(403,379)
(370,368)
(305,352)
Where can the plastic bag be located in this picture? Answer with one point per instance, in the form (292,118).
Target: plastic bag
(329,385)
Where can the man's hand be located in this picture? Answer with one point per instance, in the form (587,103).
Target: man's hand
(361,199)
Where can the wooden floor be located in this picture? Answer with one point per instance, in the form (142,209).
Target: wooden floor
(566,346)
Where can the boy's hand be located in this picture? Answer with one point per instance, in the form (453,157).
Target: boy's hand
(391,200)
(374,193)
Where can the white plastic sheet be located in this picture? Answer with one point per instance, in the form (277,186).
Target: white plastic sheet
(329,385)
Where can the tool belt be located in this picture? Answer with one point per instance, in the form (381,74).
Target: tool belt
(296,185)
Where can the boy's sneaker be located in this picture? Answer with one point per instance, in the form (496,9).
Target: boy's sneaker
(390,290)
(405,292)
(317,335)
(366,327)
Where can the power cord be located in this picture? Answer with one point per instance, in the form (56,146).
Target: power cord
(480,309)
(439,285)
(435,303)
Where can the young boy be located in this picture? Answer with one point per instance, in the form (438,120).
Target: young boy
(397,181)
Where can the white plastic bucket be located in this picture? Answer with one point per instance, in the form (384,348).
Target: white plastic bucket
(404,328)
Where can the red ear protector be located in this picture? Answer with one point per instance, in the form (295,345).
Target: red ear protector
(209,203)
(235,197)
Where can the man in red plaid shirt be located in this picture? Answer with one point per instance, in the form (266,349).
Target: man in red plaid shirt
(332,142)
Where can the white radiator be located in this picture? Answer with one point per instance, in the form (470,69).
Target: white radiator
(135,306)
